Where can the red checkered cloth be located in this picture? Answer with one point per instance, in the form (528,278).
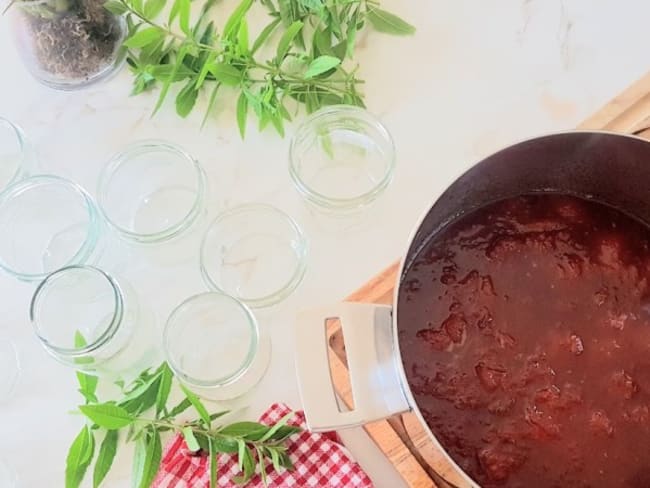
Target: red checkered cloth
(319,461)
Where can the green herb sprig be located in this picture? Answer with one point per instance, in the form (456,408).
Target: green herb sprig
(309,41)
(254,444)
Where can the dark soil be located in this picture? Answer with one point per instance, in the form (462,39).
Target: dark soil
(77,43)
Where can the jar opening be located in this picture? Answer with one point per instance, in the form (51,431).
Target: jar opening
(76,310)
(210,340)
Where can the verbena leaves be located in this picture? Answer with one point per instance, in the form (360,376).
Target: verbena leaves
(79,458)
(309,56)
(388,23)
(107,416)
(105,457)
(151,391)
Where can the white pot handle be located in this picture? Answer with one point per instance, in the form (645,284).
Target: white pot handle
(372,360)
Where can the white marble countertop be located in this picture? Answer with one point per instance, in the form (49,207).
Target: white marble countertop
(478,75)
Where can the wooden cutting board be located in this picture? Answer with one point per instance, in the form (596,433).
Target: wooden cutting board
(402,438)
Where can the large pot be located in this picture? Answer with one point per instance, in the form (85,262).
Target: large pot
(610,168)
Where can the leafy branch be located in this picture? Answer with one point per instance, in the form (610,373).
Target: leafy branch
(254,444)
(313,41)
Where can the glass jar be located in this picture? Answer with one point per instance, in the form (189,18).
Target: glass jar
(255,253)
(215,346)
(46,223)
(16,156)
(152,192)
(87,320)
(341,159)
(68,44)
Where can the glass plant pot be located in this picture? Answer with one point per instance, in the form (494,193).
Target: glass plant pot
(87,320)
(68,44)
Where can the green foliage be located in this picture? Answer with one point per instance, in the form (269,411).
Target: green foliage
(309,63)
(150,391)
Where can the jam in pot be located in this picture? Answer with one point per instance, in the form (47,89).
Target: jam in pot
(525,336)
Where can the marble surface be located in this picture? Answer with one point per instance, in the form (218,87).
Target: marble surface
(478,75)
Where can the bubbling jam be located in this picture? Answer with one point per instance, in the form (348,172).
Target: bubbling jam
(525,336)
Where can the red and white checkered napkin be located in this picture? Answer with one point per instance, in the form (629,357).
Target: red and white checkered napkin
(319,461)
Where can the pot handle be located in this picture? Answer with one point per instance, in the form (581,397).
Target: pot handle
(372,361)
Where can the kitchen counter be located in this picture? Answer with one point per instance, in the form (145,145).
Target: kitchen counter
(476,76)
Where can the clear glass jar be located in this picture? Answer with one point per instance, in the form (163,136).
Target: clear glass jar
(87,320)
(152,192)
(17,159)
(68,44)
(341,159)
(46,223)
(255,253)
(215,346)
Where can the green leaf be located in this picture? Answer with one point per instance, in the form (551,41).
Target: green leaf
(280,423)
(186,99)
(164,388)
(87,386)
(173,12)
(247,463)
(213,465)
(389,23)
(184,16)
(286,430)
(214,416)
(264,35)
(320,65)
(225,445)
(322,42)
(142,397)
(241,454)
(136,5)
(107,415)
(211,102)
(180,408)
(164,72)
(190,440)
(351,37)
(262,464)
(167,83)
(144,37)
(105,457)
(278,123)
(226,74)
(232,24)
(198,405)
(242,113)
(275,458)
(116,7)
(242,44)
(287,38)
(148,453)
(79,457)
(152,8)
(251,431)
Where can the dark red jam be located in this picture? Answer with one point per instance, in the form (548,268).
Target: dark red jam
(525,336)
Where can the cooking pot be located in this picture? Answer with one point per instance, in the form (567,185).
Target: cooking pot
(609,168)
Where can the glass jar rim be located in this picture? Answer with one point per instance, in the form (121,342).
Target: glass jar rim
(319,198)
(137,149)
(104,337)
(287,288)
(92,236)
(250,355)
(20,137)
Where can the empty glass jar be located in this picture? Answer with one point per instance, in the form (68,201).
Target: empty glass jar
(152,192)
(214,346)
(255,253)
(67,44)
(46,223)
(341,159)
(87,320)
